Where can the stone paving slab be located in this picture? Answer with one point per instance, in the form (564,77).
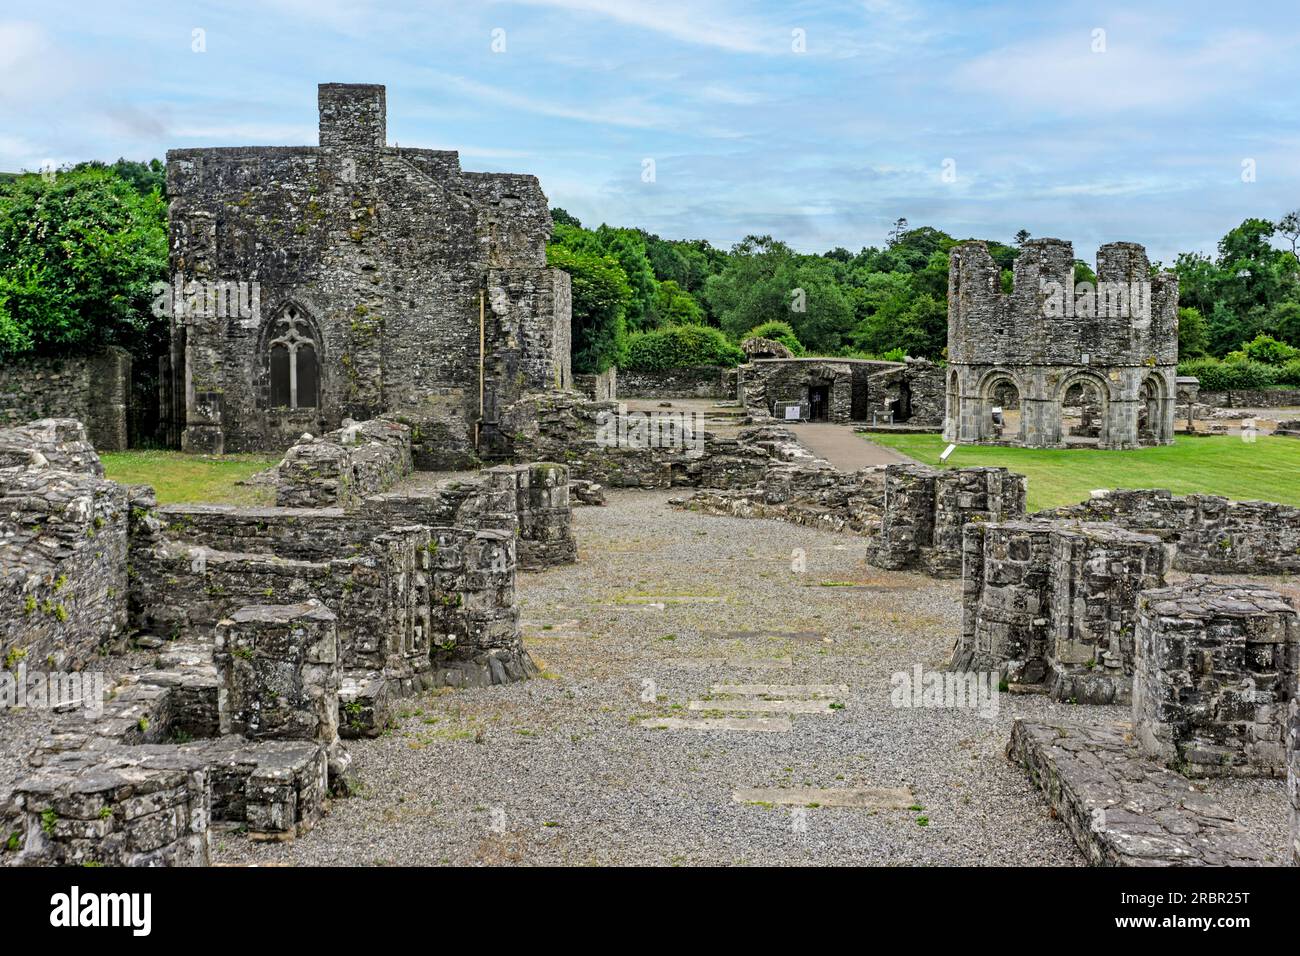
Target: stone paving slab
(752,724)
(735,663)
(780,690)
(1123,809)
(765,706)
(864,798)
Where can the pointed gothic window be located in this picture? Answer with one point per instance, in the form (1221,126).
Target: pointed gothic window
(295,373)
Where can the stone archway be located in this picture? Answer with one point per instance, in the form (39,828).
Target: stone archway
(1082,410)
(952,410)
(1000,412)
(1154,425)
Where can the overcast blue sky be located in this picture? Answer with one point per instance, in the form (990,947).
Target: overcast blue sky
(1144,141)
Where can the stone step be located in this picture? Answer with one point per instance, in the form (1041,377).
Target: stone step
(1123,809)
(801,691)
(754,706)
(862,798)
(750,724)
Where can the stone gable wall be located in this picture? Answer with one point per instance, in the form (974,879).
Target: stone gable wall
(394,257)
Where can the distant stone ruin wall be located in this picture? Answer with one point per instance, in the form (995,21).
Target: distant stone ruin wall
(911,395)
(344,466)
(1046,339)
(598,388)
(765,382)
(1252,398)
(925,510)
(1213,535)
(584,436)
(93,389)
(63,567)
(706,381)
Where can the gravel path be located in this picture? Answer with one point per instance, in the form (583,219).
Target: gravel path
(844,448)
(558,770)
(663,605)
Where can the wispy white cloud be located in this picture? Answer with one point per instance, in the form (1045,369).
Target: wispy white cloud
(1139,67)
(697,22)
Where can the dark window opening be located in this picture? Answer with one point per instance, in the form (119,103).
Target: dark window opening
(306,397)
(279,376)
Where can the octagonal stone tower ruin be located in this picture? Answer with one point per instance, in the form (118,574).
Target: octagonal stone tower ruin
(1052,364)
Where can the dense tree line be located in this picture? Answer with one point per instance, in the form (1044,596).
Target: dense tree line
(79,250)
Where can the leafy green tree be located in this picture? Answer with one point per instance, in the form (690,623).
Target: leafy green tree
(1193,337)
(562,218)
(78,255)
(600,298)
(1266,349)
(679,346)
(777,332)
(1284,322)
(674,306)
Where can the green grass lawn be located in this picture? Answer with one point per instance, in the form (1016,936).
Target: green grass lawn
(179,478)
(1267,469)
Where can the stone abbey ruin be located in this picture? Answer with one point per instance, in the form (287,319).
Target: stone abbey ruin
(408,355)
(365,256)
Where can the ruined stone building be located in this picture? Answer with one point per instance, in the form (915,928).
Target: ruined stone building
(1049,364)
(353,279)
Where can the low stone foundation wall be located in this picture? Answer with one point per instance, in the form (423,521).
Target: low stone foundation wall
(598,388)
(582,435)
(707,381)
(1293,777)
(1120,808)
(1213,535)
(1252,398)
(59,444)
(1217,669)
(63,566)
(818,497)
(1055,605)
(344,466)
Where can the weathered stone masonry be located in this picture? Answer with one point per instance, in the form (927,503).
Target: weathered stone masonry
(1217,669)
(63,549)
(1003,345)
(925,510)
(1214,535)
(380,270)
(94,389)
(287,628)
(1054,604)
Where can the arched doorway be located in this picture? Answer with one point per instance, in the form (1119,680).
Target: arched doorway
(1152,426)
(1084,411)
(1001,413)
